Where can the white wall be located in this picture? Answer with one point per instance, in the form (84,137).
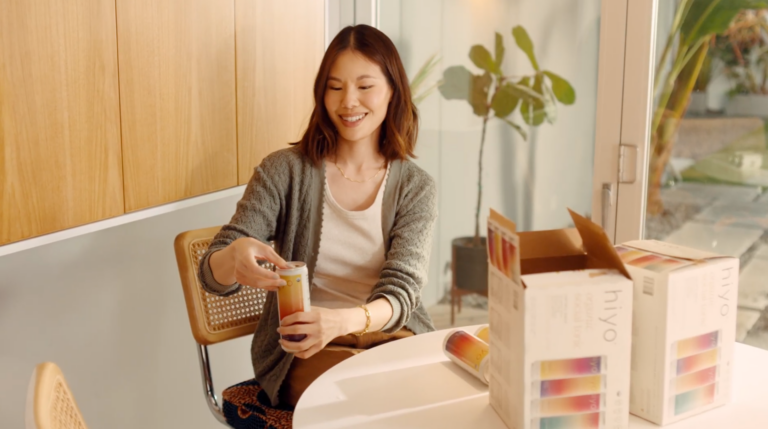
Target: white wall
(109,309)
(565,36)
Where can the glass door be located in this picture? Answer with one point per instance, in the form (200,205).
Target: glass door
(702,67)
(520,107)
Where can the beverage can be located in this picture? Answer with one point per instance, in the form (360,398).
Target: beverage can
(294,296)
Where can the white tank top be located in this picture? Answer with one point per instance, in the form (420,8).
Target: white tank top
(351,253)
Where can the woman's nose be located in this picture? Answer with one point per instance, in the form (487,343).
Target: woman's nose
(350,98)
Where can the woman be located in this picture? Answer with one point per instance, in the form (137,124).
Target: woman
(347,201)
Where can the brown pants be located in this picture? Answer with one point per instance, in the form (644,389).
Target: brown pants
(304,371)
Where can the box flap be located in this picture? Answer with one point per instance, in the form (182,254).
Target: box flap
(672,250)
(597,245)
(554,250)
(503,221)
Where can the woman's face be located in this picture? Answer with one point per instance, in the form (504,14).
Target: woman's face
(357,95)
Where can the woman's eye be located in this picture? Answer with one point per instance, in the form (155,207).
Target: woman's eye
(334,89)
(366,87)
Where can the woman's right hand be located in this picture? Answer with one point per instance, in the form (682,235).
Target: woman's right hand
(243,254)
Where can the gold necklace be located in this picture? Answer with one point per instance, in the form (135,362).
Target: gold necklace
(360,181)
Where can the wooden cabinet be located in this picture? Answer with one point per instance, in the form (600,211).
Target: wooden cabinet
(279,48)
(177,87)
(60,160)
(112,106)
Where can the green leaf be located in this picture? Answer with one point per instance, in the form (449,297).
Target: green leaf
(518,128)
(426,69)
(457,83)
(707,17)
(533,110)
(426,93)
(563,90)
(499,49)
(525,44)
(523,91)
(505,101)
(483,60)
(479,96)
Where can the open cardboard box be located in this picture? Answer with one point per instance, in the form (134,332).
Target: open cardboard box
(684,328)
(560,306)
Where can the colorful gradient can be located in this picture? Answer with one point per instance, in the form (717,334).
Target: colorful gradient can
(294,296)
(695,345)
(574,421)
(567,368)
(694,380)
(550,407)
(468,352)
(484,333)
(697,362)
(568,386)
(694,399)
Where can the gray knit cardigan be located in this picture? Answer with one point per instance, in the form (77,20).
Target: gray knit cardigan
(284,202)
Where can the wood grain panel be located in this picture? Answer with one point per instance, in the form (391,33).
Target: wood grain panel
(177,84)
(60,160)
(279,49)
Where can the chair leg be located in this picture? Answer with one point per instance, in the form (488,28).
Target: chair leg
(453,304)
(210,393)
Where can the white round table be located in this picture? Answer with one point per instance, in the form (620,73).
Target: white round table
(409,383)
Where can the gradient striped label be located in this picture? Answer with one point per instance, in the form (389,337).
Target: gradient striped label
(566,368)
(467,349)
(290,298)
(568,405)
(569,386)
(698,344)
(689,401)
(484,334)
(695,380)
(577,421)
(697,362)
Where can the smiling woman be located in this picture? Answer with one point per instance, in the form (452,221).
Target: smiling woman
(348,202)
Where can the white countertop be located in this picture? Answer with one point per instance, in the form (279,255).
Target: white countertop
(409,383)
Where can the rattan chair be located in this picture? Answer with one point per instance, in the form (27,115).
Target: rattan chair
(215,319)
(50,404)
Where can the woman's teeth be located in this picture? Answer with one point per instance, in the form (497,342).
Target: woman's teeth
(353,118)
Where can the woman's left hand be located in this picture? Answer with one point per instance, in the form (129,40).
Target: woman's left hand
(320,325)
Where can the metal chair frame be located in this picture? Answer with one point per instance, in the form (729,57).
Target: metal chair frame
(213,319)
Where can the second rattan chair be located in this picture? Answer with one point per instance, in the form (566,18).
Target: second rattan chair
(50,403)
(215,319)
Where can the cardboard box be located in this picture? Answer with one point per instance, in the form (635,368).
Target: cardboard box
(560,309)
(684,327)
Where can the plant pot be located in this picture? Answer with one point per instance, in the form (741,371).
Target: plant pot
(470,264)
(747,105)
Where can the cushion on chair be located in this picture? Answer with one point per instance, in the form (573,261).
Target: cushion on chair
(247,406)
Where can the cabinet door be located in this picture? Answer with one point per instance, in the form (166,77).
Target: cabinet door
(60,160)
(177,86)
(279,49)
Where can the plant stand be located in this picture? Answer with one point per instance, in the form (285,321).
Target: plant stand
(469,271)
(456,295)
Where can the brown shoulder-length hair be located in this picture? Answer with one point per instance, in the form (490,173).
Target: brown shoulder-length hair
(400,127)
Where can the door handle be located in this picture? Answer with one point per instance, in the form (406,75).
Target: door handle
(607,203)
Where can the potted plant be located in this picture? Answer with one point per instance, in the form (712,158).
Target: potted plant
(743,50)
(694,26)
(494,95)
